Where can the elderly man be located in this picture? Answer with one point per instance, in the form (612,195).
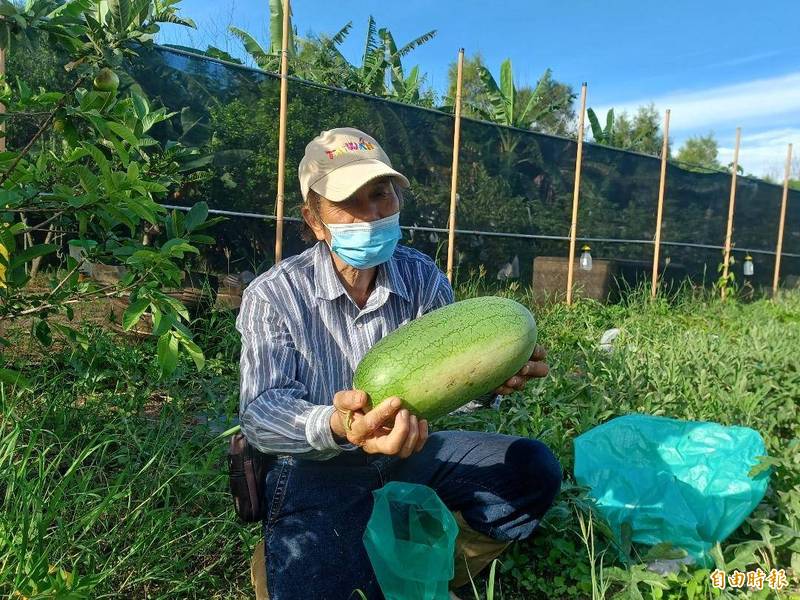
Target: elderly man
(305,325)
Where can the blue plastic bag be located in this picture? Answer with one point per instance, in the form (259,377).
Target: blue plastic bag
(681,482)
(410,539)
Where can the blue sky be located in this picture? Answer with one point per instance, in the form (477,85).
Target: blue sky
(716,64)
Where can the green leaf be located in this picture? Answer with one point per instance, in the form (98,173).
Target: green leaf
(764,464)
(124,156)
(100,159)
(94,101)
(276,28)
(47,98)
(151,186)
(140,106)
(490,587)
(250,44)
(123,132)
(142,211)
(134,312)
(194,351)
(73,336)
(197,163)
(508,91)
(121,12)
(133,172)
(197,238)
(159,326)
(88,179)
(77,154)
(597,131)
(7,9)
(168,352)
(494,95)
(177,306)
(196,216)
(88,244)
(42,332)
(14,378)
(176,248)
(609,124)
(19,259)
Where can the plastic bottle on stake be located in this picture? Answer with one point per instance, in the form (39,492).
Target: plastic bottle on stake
(586,258)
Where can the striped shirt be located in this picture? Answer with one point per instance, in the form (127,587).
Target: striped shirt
(303,337)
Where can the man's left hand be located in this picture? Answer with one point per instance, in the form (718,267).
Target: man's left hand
(535,367)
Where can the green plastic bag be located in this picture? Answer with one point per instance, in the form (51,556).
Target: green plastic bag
(410,540)
(669,481)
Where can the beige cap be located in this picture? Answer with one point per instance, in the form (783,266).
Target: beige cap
(339,161)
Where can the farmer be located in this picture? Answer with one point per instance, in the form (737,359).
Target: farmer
(305,325)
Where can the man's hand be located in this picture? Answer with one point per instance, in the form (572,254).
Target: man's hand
(373,430)
(535,367)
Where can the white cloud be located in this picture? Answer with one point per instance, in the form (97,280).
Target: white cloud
(764,153)
(756,101)
(767,110)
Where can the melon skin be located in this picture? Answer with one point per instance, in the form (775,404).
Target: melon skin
(450,356)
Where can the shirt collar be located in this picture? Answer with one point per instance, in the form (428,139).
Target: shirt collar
(328,286)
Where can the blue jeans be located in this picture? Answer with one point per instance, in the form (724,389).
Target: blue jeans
(318,510)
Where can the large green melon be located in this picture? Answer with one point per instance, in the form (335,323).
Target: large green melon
(450,356)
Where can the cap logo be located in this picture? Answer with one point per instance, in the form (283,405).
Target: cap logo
(361,145)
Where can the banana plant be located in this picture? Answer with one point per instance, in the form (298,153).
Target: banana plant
(320,59)
(382,55)
(269,59)
(504,108)
(503,99)
(404,89)
(601,135)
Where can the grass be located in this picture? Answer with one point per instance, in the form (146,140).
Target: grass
(113,486)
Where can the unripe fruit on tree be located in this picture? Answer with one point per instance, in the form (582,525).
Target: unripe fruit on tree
(106,80)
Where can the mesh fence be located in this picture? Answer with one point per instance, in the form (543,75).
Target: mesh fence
(511,182)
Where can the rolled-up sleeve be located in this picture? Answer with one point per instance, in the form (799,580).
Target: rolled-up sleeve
(273,412)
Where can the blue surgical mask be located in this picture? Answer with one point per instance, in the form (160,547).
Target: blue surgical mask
(365,245)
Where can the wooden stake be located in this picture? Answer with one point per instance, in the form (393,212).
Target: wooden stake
(451,241)
(782,221)
(660,212)
(573,231)
(731,204)
(2,106)
(282,135)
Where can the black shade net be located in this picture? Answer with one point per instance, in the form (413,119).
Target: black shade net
(511,181)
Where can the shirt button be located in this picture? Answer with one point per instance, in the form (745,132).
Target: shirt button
(360,324)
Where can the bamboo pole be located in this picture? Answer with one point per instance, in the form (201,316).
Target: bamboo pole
(573,230)
(282,135)
(451,240)
(731,205)
(2,106)
(661,187)
(782,221)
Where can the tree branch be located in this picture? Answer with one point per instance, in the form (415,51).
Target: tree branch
(39,226)
(41,130)
(63,281)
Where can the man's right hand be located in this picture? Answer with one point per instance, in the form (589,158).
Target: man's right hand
(372,430)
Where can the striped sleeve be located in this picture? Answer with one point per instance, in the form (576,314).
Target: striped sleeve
(274,416)
(437,295)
